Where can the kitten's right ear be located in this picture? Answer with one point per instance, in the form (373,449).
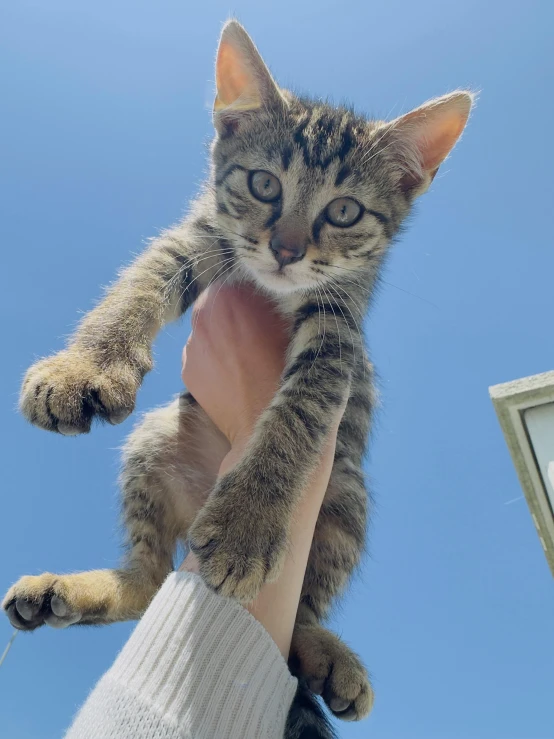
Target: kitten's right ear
(243,82)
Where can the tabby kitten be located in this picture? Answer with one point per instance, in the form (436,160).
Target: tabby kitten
(303,200)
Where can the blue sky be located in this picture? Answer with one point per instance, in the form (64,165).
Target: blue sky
(105,117)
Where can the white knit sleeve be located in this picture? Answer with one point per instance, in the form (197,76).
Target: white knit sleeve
(197,666)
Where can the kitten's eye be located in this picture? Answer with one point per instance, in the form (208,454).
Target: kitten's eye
(264,186)
(343,212)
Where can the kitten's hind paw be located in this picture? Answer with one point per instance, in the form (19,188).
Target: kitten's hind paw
(65,392)
(333,671)
(35,601)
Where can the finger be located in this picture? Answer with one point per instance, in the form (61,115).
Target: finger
(184,362)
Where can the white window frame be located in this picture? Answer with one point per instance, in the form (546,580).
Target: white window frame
(511,400)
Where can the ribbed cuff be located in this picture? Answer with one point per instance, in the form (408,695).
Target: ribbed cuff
(206,664)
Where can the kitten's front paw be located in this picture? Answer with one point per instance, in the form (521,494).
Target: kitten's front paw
(238,550)
(65,392)
(37,600)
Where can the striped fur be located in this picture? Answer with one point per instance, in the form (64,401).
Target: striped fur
(239,532)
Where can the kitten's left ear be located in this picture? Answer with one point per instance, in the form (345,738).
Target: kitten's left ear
(243,82)
(421,140)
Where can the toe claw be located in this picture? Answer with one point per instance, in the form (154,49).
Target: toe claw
(58,606)
(26,609)
(316,686)
(119,416)
(338,705)
(13,616)
(17,620)
(333,671)
(67,430)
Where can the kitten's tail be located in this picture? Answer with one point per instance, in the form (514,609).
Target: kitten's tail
(307,719)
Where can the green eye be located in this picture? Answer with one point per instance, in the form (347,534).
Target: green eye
(343,212)
(264,186)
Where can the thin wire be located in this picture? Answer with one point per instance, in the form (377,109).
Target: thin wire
(7,649)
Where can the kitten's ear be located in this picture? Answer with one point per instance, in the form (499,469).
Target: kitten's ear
(243,82)
(422,139)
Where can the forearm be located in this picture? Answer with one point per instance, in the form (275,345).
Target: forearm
(240,536)
(197,665)
(290,435)
(277,603)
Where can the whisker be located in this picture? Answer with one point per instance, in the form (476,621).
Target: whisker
(195,262)
(331,287)
(322,338)
(347,306)
(337,323)
(220,272)
(226,231)
(211,255)
(386,282)
(231,259)
(229,273)
(318,312)
(368,158)
(414,295)
(365,289)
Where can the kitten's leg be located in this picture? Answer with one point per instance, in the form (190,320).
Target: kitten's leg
(95,597)
(98,374)
(240,535)
(332,670)
(171,462)
(329,666)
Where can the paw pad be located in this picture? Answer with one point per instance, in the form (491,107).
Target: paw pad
(29,607)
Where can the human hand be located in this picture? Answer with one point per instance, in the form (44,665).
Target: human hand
(232,365)
(234,357)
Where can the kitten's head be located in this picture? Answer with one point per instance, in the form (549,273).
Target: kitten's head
(308,193)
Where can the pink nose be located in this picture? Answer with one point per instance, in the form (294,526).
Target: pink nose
(286,253)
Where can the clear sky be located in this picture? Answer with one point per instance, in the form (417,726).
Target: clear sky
(105,117)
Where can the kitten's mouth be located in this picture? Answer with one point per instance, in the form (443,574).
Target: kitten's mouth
(286,278)
(280,273)
(283,280)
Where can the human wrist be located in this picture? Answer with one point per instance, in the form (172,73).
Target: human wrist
(239,425)
(233,456)
(236,452)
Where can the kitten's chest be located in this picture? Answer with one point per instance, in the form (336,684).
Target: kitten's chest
(286,304)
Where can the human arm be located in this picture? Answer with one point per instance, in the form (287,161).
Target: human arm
(232,364)
(276,605)
(199,665)
(240,536)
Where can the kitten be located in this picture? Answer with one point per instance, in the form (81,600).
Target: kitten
(303,201)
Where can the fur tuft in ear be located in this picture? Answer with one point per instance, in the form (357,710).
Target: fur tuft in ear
(422,139)
(243,82)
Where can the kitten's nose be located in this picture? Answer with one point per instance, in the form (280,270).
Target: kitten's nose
(285,252)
